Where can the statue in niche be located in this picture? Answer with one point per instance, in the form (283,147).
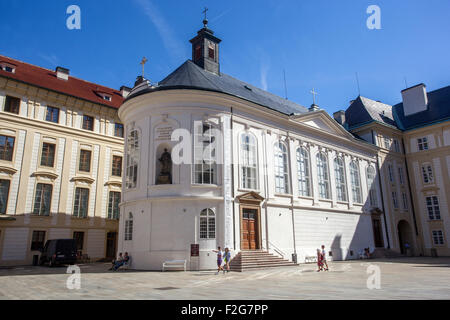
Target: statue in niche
(165,176)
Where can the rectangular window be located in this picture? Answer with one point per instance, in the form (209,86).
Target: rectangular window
(387,142)
(48,154)
(6,147)
(12,105)
(52,114)
(422,143)
(88,123)
(80,205)
(405,201)
(400,175)
(4,192)
(113,205)
(394,199)
(434,212)
(42,199)
(129,229)
(117,166)
(79,239)
(396,145)
(118,130)
(427,173)
(85,161)
(391,174)
(205,166)
(37,240)
(438,237)
(211,51)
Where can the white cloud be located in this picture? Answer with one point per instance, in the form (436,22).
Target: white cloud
(52,59)
(264,69)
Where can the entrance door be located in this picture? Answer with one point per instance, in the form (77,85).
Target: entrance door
(111,242)
(249,231)
(377,233)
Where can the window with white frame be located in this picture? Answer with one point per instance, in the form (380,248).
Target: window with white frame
(303,172)
(355,180)
(205,165)
(133,147)
(4,193)
(113,205)
(339,173)
(249,163)
(395,199)
(405,201)
(323,177)
(373,200)
(396,145)
(207,224)
(427,173)
(387,142)
(42,199)
(434,212)
(401,177)
(391,173)
(281,168)
(422,143)
(438,237)
(81,202)
(129,227)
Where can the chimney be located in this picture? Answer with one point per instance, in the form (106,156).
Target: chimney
(339,116)
(62,73)
(125,91)
(415,99)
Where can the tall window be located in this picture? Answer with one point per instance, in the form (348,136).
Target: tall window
(438,237)
(281,168)
(80,205)
(129,227)
(427,173)
(117,166)
(303,172)
(113,205)
(43,199)
(88,123)
(391,173)
(422,143)
(37,240)
(395,199)
(12,104)
(387,143)
(205,166)
(356,182)
(79,239)
(339,172)
(248,162)
(323,176)
(211,51)
(133,148)
(6,147)
(48,154)
(400,175)
(4,192)
(85,161)
(434,212)
(52,114)
(405,201)
(207,224)
(371,186)
(118,130)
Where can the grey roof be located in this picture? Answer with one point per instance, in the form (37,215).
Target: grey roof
(191,76)
(438,110)
(363,110)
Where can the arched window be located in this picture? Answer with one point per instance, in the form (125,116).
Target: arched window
(129,227)
(205,166)
(248,163)
(281,168)
(323,178)
(339,173)
(132,159)
(207,224)
(371,186)
(356,182)
(303,172)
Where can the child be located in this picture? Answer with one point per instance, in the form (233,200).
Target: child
(219,259)
(227,258)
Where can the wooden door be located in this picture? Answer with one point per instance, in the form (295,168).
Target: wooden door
(249,233)
(111,243)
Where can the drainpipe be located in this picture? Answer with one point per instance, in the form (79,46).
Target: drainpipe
(266,187)
(292,191)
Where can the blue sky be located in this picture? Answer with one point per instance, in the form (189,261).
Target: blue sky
(320,44)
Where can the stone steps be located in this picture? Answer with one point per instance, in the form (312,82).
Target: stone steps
(380,253)
(254,260)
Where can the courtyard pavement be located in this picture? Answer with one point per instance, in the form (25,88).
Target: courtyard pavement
(402,278)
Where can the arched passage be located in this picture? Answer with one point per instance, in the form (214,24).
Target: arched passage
(405,236)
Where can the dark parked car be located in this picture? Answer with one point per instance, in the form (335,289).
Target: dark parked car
(59,251)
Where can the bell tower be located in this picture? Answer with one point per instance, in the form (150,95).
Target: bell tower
(205,48)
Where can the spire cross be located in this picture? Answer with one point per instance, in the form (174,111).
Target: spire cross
(143,62)
(314,93)
(205,11)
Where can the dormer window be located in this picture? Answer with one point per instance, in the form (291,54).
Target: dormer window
(7,67)
(105,96)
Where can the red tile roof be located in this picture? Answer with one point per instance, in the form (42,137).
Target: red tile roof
(45,78)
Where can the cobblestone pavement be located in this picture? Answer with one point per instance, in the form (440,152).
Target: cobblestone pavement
(404,278)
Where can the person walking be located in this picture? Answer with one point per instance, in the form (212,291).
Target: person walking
(319,261)
(219,259)
(226,259)
(324,258)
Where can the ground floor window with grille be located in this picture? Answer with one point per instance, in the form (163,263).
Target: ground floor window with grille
(42,199)
(434,213)
(207,224)
(129,227)
(4,192)
(37,240)
(438,237)
(113,205)
(80,205)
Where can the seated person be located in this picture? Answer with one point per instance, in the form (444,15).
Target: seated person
(125,259)
(119,259)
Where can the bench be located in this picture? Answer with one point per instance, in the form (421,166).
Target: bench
(126,265)
(174,264)
(310,259)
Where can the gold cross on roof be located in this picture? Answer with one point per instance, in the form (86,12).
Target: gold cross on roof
(143,62)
